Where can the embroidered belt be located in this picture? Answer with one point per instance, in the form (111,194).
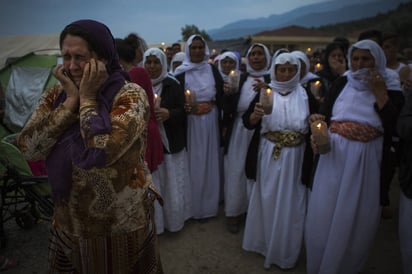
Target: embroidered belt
(202,108)
(283,139)
(355,131)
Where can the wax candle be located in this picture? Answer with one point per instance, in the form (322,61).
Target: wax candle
(233,81)
(188,96)
(157,100)
(266,99)
(320,133)
(315,88)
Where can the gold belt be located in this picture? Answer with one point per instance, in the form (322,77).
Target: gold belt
(283,139)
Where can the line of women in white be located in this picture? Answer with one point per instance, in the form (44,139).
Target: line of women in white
(335,215)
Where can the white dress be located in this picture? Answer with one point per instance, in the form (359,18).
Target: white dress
(203,147)
(343,209)
(277,206)
(237,187)
(172,182)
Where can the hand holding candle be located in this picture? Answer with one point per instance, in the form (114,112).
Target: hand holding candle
(266,99)
(157,100)
(233,81)
(190,100)
(315,88)
(320,134)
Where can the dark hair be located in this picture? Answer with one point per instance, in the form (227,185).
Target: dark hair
(133,39)
(176,44)
(328,50)
(125,51)
(344,41)
(78,31)
(372,33)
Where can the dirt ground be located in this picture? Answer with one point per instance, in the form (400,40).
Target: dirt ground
(205,248)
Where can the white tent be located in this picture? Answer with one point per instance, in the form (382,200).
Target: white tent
(26,63)
(19,45)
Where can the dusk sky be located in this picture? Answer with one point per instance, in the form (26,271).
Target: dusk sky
(156,21)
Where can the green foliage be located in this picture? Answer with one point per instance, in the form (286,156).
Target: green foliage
(189,30)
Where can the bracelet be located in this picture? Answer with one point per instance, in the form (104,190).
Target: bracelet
(87,104)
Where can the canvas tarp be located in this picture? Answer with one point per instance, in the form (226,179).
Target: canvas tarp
(26,74)
(15,46)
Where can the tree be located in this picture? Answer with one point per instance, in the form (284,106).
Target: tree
(189,30)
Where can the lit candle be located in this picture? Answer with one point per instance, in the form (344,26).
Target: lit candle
(318,67)
(188,97)
(157,100)
(233,81)
(315,88)
(320,133)
(266,99)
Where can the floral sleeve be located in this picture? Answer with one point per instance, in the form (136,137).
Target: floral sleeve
(45,126)
(128,118)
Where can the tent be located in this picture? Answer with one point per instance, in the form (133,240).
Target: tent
(26,63)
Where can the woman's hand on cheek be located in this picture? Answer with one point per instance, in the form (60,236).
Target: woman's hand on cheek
(94,76)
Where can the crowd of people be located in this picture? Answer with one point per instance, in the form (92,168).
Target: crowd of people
(138,140)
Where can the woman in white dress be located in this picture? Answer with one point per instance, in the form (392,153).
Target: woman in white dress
(205,83)
(172,176)
(277,206)
(343,210)
(237,137)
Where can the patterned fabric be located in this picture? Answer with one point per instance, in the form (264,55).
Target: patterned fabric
(104,202)
(283,139)
(355,131)
(133,252)
(202,108)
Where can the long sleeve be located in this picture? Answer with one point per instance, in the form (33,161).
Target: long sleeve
(45,126)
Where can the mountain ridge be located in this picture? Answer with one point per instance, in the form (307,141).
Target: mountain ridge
(314,15)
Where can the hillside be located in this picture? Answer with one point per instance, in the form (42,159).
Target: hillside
(398,21)
(314,16)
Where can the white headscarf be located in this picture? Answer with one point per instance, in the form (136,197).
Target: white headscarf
(304,58)
(288,86)
(187,64)
(268,58)
(178,57)
(163,60)
(227,54)
(357,78)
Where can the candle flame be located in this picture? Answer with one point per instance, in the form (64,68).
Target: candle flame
(319,125)
(232,72)
(155,96)
(268,91)
(318,65)
(187,92)
(317,83)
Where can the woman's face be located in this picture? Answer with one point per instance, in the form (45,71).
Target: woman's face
(153,66)
(227,65)
(176,64)
(285,72)
(197,51)
(336,55)
(257,58)
(361,58)
(75,54)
